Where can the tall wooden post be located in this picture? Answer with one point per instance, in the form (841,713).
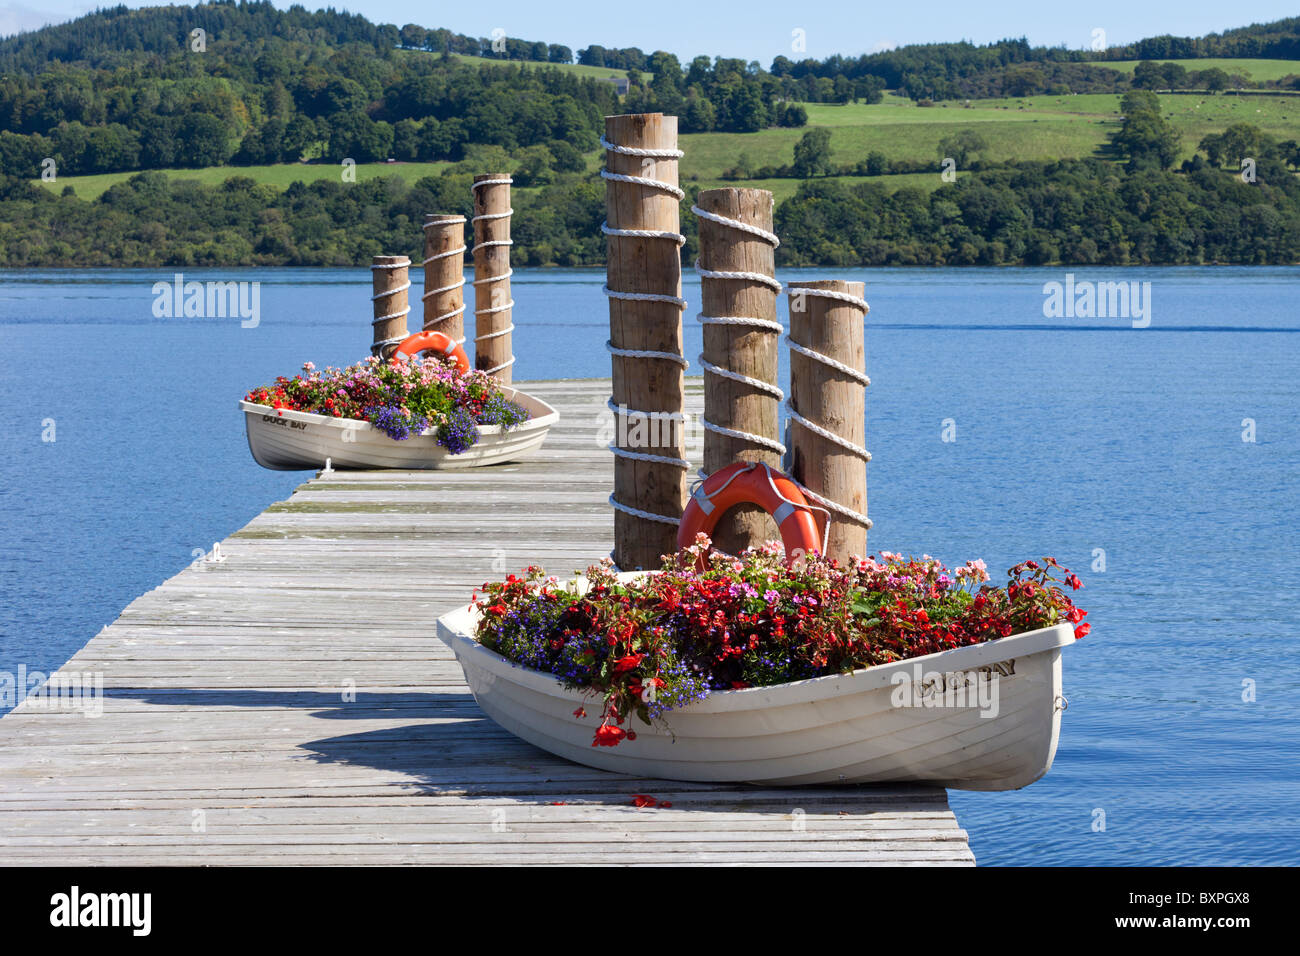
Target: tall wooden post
(828,406)
(741,398)
(390,277)
(444,275)
(644,284)
(493,351)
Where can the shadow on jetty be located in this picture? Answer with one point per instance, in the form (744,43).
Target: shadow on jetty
(446,746)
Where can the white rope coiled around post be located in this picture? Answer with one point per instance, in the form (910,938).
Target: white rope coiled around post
(401,313)
(680,240)
(458,251)
(500,277)
(753,321)
(385,295)
(851,372)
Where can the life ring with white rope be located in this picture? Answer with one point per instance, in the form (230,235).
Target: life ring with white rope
(445,346)
(751,482)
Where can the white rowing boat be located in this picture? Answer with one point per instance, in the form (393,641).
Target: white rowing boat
(287,440)
(927,719)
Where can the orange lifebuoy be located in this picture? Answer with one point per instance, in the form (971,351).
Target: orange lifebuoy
(444,345)
(758,484)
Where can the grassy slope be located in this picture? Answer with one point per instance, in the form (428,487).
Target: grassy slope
(281,175)
(599,72)
(1041,127)
(1258,70)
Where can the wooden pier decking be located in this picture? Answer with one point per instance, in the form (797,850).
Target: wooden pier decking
(292,704)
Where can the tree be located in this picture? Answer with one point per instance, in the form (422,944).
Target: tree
(701,116)
(1148,76)
(1145,139)
(535,167)
(1174,75)
(356,136)
(567,159)
(1022,81)
(406,140)
(414,37)
(1213,79)
(747,112)
(202,140)
(962,146)
(793,115)
(812,154)
(1139,101)
(870,89)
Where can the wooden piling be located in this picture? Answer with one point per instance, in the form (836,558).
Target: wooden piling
(647,265)
(834,400)
(391,280)
(749,350)
(444,275)
(493,351)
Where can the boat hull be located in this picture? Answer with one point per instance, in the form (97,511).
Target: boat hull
(869,726)
(286,440)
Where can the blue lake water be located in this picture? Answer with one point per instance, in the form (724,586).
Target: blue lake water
(1072,435)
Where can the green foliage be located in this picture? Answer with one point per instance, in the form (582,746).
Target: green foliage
(1145,138)
(962,147)
(152,219)
(1076,211)
(812,154)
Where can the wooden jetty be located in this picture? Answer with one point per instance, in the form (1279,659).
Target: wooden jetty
(291,704)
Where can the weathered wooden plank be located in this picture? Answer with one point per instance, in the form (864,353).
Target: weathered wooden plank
(224,691)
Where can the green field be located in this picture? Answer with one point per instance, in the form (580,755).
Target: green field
(1033,128)
(598,72)
(1258,70)
(782,189)
(901,130)
(281,175)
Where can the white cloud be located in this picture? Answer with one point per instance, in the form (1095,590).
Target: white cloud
(884,45)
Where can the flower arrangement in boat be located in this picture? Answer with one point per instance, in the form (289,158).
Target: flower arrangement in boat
(709,622)
(401,399)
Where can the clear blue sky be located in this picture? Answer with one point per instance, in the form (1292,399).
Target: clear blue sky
(762,29)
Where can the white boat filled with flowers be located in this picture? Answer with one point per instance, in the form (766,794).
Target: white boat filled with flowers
(430,414)
(752,669)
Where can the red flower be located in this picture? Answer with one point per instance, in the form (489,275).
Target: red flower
(642,800)
(607,735)
(1082,630)
(1073,581)
(580,713)
(623,664)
